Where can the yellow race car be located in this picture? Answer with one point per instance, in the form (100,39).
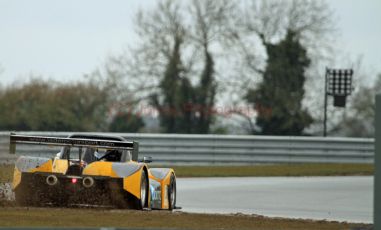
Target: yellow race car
(91,169)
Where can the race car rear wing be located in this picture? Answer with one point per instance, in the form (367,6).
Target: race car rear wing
(70,142)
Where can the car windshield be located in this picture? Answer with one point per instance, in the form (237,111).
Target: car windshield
(85,154)
(90,155)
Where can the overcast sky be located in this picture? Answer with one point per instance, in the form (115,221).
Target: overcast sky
(63,40)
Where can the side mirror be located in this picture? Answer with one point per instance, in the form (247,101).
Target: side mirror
(147,159)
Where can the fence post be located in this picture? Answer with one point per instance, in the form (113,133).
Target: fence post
(377,166)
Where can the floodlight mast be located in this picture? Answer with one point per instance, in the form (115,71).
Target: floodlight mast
(338,83)
(377,167)
(325,103)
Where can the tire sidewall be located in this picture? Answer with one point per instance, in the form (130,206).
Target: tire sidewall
(143,202)
(172,190)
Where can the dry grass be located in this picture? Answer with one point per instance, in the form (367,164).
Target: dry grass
(69,217)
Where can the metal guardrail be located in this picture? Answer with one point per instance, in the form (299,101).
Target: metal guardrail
(225,149)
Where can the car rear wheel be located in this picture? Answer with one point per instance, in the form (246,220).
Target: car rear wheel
(143,201)
(172,193)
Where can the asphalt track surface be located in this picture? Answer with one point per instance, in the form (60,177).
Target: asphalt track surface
(348,198)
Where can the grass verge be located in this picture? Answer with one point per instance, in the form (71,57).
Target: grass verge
(6,171)
(275,170)
(79,217)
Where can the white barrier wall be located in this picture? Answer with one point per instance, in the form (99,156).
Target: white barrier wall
(225,149)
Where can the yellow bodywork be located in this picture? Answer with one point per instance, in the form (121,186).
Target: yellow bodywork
(45,167)
(164,187)
(132,183)
(16,178)
(99,168)
(60,166)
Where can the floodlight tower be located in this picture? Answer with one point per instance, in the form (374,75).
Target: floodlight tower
(338,83)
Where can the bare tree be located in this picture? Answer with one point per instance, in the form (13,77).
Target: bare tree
(174,58)
(210,23)
(266,23)
(270,20)
(134,75)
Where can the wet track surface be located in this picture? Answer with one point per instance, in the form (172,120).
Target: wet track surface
(348,198)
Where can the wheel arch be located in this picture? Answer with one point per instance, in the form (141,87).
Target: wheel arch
(132,183)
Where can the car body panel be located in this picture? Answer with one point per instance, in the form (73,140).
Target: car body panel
(130,183)
(99,168)
(60,166)
(16,178)
(28,163)
(127,174)
(162,176)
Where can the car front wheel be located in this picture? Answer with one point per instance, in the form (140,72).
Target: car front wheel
(172,193)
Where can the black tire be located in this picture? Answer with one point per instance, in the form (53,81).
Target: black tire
(172,193)
(143,201)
